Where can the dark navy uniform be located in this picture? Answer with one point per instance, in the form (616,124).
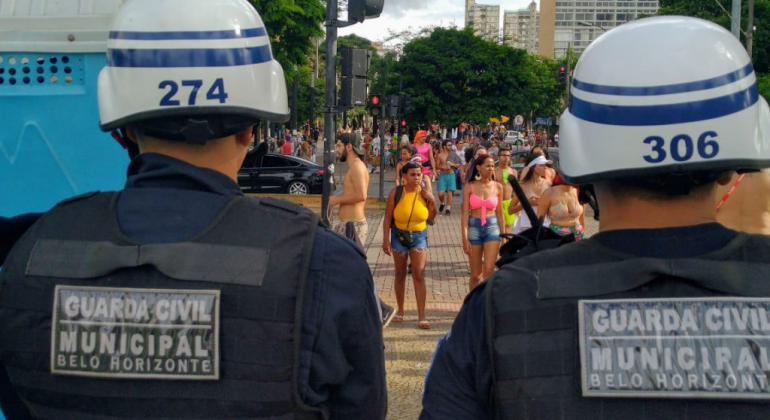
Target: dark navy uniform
(513,351)
(11,230)
(339,367)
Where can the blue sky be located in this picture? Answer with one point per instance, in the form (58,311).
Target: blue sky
(405,14)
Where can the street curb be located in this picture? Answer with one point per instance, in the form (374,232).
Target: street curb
(375,247)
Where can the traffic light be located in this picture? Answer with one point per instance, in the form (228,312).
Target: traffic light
(406,104)
(374,105)
(392,106)
(354,84)
(403,123)
(562,74)
(353,91)
(358,10)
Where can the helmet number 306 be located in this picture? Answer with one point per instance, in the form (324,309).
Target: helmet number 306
(681,147)
(215,92)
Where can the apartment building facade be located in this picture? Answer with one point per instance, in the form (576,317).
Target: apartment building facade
(483,19)
(520,28)
(577,23)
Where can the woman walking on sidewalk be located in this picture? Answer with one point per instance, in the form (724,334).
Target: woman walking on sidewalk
(405,236)
(406,155)
(534,183)
(481,218)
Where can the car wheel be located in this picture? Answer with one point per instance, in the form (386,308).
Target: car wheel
(298,188)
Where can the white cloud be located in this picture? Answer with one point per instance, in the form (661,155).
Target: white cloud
(400,15)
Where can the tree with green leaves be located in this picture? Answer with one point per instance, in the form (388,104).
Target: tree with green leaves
(292,26)
(455,76)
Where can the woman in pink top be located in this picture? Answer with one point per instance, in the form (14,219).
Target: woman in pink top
(425,150)
(482,208)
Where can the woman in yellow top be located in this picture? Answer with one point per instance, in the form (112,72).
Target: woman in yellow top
(405,236)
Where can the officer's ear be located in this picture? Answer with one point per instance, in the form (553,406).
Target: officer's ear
(245,137)
(131,134)
(726,179)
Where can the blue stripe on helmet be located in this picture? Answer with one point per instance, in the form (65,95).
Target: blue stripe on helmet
(188,57)
(664,114)
(188,35)
(725,79)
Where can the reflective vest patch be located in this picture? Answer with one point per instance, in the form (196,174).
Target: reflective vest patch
(715,348)
(121,333)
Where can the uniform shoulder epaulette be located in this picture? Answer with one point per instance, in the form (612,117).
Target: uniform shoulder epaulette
(78,198)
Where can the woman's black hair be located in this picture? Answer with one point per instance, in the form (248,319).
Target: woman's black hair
(474,170)
(530,158)
(469,154)
(411,149)
(409,165)
(544,149)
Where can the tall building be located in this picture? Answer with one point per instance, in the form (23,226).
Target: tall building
(565,23)
(468,6)
(520,28)
(484,19)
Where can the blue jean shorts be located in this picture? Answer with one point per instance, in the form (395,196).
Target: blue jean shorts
(479,235)
(419,241)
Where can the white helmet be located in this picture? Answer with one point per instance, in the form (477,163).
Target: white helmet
(190,70)
(660,96)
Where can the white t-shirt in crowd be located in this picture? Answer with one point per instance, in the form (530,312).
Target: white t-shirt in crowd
(376,146)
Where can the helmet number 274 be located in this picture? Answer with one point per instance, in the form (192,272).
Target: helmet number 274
(216,92)
(682,148)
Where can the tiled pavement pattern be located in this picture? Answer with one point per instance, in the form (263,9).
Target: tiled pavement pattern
(409,350)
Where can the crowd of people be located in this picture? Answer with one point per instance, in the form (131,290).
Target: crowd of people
(178,297)
(428,174)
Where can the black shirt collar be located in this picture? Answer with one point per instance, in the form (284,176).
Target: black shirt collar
(152,170)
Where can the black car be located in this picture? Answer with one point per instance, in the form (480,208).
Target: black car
(519,156)
(280,174)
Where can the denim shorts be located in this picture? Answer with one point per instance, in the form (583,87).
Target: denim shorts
(479,235)
(419,241)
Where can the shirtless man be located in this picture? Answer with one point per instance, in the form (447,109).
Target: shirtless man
(747,208)
(502,171)
(353,198)
(448,161)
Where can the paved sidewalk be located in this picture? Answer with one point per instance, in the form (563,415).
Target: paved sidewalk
(409,350)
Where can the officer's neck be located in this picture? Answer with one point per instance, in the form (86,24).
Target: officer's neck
(222,155)
(638,213)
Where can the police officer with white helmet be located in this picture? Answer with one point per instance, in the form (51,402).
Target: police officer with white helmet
(178,297)
(664,314)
